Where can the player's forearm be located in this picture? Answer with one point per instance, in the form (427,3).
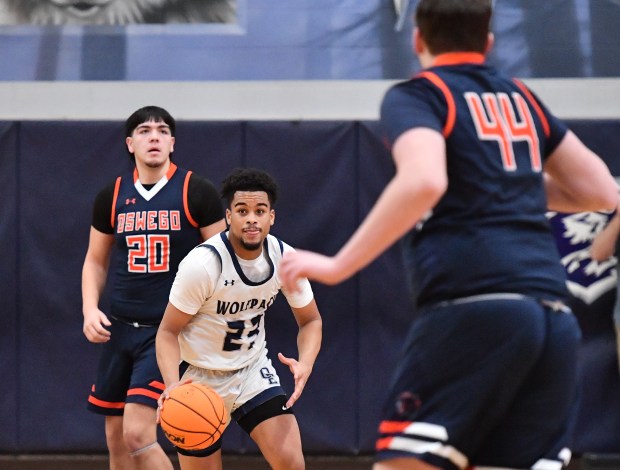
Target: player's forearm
(168,355)
(93,282)
(309,342)
(400,207)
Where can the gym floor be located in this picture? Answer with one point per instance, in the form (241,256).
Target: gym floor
(252,462)
(100,462)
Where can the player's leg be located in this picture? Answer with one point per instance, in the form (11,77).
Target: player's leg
(279,440)
(140,435)
(263,417)
(139,423)
(462,364)
(107,396)
(118,452)
(536,429)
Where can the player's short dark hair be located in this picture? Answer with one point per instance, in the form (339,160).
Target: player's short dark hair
(147,114)
(454,25)
(249,179)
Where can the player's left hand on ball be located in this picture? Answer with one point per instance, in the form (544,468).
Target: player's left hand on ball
(300,372)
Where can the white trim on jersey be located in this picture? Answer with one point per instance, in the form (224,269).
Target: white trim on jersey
(149,194)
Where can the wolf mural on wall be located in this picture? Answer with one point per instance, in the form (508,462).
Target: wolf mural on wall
(105,12)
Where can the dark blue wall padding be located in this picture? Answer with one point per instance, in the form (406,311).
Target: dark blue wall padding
(602,137)
(330,175)
(9,285)
(62,166)
(383,301)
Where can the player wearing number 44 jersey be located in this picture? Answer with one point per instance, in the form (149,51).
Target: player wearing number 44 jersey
(487,372)
(146,222)
(215,321)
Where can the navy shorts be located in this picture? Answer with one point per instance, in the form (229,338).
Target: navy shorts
(128,371)
(486,383)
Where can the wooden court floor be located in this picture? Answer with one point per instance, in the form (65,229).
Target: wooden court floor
(253,462)
(100,462)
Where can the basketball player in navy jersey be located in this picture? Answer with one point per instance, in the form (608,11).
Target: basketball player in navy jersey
(215,321)
(143,223)
(487,373)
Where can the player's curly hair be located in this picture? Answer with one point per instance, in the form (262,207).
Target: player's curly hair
(249,179)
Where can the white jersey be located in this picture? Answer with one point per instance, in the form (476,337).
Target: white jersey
(228,297)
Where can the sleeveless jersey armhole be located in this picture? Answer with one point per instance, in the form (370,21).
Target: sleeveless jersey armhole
(532,101)
(451,104)
(117,187)
(186,200)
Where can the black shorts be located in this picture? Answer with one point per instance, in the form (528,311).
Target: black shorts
(128,371)
(489,383)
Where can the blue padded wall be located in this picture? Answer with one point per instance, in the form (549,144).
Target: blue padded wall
(330,175)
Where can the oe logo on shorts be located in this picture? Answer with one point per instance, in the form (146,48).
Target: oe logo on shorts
(266,373)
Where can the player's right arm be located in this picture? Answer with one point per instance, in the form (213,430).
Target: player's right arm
(94,275)
(167,343)
(192,284)
(577,180)
(168,351)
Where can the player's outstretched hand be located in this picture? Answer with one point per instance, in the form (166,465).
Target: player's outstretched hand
(301,373)
(166,394)
(316,267)
(94,329)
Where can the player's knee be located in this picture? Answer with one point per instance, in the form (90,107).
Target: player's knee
(137,437)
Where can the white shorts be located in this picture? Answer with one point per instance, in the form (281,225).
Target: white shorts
(240,386)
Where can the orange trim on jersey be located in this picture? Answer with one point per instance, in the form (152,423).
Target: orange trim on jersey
(157,384)
(457,58)
(117,188)
(186,201)
(106,404)
(171,171)
(537,108)
(393,427)
(383,443)
(439,83)
(145,392)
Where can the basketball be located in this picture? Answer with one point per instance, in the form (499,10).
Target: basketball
(193,417)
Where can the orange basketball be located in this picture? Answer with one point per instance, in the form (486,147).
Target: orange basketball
(193,417)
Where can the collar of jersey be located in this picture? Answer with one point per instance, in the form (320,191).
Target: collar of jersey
(458,58)
(235,260)
(148,194)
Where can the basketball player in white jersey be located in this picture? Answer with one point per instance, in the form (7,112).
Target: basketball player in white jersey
(215,322)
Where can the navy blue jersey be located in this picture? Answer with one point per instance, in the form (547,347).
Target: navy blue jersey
(489,232)
(153,231)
